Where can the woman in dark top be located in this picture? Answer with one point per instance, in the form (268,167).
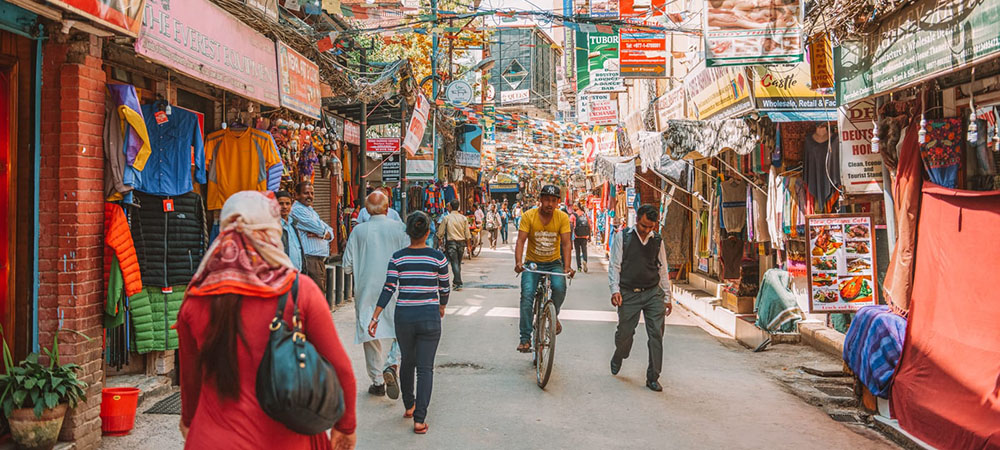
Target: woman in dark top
(420,274)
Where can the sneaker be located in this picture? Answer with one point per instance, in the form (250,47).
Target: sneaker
(377,390)
(391,384)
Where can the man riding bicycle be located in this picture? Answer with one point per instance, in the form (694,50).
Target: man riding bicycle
(546,230)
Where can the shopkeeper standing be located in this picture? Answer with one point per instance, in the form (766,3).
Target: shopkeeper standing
(314,234)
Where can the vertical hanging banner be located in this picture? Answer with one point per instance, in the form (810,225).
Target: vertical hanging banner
(418,122)
(299,82)
(753,32)
(820,62)
(642,54)
(597,63)
(420,165)
(860,168)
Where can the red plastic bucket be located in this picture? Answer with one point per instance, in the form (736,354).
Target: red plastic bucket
(118,407)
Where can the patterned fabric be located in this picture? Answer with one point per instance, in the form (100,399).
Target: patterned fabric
(873,346)
(942,151)
(775,306)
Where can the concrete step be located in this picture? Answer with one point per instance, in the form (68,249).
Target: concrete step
(149,386)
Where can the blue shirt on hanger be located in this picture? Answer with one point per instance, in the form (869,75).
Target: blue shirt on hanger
(168,169)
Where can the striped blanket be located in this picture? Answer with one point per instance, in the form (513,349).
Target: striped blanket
(873,346)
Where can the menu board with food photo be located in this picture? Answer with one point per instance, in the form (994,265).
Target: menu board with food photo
(841,263)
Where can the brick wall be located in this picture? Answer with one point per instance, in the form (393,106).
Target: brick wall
(71,215)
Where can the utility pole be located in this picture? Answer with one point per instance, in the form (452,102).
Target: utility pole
(362,185)
(402,160)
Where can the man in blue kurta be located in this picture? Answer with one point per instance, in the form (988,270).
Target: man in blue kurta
(369,249)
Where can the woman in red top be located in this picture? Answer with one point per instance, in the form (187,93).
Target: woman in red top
(223,330)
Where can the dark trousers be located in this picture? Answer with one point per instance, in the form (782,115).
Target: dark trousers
(503,231)
(418,342)
(455,249)
(315,267)
(650,304)
(580,244)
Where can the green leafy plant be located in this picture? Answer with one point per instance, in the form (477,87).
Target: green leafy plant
(30,384)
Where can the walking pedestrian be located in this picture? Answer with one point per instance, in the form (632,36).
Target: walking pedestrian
(517,215)
(314,234)
(581,236)
(504,221)
(454,232)
(639,283)
(493,225)
(222,330)
(421,276)
(369,249)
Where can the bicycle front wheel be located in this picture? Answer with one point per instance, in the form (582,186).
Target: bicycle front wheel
(479,246)
(545,344)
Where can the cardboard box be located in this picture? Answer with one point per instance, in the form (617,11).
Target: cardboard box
(738,305)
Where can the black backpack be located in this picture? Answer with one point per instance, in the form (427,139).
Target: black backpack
(582,225)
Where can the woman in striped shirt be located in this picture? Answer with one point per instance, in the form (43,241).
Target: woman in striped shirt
(420,274)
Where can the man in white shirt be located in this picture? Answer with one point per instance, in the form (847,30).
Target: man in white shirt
(640,283)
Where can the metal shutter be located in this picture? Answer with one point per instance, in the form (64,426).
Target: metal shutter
(322,201)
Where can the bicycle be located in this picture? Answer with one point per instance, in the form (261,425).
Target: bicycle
(476,246)
(545,323)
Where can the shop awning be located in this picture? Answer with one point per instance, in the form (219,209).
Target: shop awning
(707,138)
(803,116)
(618,170)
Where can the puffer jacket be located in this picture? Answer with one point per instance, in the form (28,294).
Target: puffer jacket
(118,238)
(154,314)
(170,245)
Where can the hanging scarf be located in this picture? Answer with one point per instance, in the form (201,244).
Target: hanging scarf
(247,257)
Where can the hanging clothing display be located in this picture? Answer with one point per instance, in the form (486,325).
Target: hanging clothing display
(153,314)
(909,181)
(775,203)
(241,160)
(818,171)
(732,256)
(173,138)
(734,204)
(757,215)
(942,151)
(126,141)
(170,237)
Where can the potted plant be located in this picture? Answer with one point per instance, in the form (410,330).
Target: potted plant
(35,396)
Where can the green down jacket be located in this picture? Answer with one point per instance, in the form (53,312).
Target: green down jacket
(153,317)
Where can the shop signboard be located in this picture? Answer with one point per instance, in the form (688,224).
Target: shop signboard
(199,39)
(420,164)
(513,97)
(597,63)
(820,62)
(603,8)
(670,106)
(417,126)
(391,168)
(382,145)
(125,16)
(860,167)
(841,263)
(459,93)
(741,33)
(468,154)
(786,88)
(352,133)
(299,78)
(718,92)
(642,54)
(602,109)
(924,40)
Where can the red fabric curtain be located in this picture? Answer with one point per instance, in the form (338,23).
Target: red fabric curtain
(948,381)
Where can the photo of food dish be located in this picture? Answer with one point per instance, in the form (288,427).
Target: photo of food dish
(862,264)
(825,295)
(824,263)
(753,14)
(827,240)
(858,248)
(858,231)
(856,289)
(823,279)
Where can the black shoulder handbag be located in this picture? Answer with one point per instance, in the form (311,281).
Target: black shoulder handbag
(295,384)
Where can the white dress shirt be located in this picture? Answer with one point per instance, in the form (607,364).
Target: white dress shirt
(615,266)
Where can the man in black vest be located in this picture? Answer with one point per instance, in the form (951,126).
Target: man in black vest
(639,283)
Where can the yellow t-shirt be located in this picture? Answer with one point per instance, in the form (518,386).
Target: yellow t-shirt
(238,161)
(544,241)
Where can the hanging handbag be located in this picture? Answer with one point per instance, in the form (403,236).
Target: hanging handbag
(295,384)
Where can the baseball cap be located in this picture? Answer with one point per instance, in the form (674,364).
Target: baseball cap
(552,190)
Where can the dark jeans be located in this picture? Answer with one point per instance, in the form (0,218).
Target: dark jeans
(580,245)
(650,304)
(455,250)
(418,342)
(529,284)
(503,231)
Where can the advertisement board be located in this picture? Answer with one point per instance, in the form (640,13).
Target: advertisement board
(642,54)
(786,88)
(418,124)
(842,263)
(125,16)
(602,109)
(382,145)
(199,39)
(860,167)
(352,133)
(597,63)
(749,32)
(469,146)
(391,169)
(299,79)
(670,106)
(603,8)
(512,97)
(718,92)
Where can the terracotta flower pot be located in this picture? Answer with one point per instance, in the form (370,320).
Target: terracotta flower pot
(32,432)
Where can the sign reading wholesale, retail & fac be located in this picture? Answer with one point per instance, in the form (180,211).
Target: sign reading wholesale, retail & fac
(299,78)
(786,88)
(199,39)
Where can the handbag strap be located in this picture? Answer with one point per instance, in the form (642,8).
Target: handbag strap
(276,322)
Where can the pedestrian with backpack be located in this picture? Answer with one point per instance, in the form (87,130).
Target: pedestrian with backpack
(581,236)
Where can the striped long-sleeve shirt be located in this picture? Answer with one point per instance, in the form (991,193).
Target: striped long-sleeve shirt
(421,276)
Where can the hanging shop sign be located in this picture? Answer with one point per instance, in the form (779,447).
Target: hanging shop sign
(718,92)
(391,169)
(299,78)
(417,126)
(597,63)
(746,34)
(199,39)
(352,133)
(642,54)
(860,167)
(924,40)
(820,62)
(841,263)
(786,88)
(503,188)
(420,164)
(602,109)
(459,93)
(603,8)
(468,154)
(513,97)
(382,145)
(670,106)
(124,16)
(268,7)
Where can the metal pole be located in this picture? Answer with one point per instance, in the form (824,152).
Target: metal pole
(362,191)
(434,86)
(402,162)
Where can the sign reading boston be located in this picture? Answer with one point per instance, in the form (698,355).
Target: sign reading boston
(201,40)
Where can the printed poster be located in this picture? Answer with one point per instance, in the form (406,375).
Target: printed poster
(841,263)
(597,63)
(642,54)
(749,32)
(860,167)
(603,8)
(718,92)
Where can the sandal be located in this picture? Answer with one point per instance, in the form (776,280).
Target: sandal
(420,430)
(524,347)
(409,413)
(558,327)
